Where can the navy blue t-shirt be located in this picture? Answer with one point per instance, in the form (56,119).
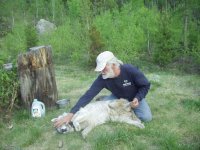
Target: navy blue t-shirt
(130,84)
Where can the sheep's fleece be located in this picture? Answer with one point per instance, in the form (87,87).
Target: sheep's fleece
(97,113)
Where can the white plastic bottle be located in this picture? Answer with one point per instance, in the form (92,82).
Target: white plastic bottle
(37,109)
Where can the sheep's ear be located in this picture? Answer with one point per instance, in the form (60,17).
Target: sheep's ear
(127,106)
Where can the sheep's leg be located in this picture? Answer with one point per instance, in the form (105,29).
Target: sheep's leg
(83,124)
(86,131)
(80,125)
(76,126)
(137,123)
(79,121)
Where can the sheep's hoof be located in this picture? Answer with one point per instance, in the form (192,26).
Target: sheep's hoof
(141,126)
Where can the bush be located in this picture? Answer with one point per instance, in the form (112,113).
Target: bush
(9,86)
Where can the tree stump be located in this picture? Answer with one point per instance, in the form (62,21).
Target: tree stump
(37,76)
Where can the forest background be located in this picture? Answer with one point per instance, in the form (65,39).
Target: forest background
(165,33)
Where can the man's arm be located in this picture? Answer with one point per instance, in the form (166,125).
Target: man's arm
(134,103)
(96,87)
(141,82)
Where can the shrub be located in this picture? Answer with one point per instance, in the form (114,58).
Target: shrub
(9,86)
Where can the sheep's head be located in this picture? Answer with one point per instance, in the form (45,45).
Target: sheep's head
(65,128)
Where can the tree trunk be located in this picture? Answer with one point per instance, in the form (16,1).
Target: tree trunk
(37,76)
(148,43)
(186,15)
(53,10)
(185,33)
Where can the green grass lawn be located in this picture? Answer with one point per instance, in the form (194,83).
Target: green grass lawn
(174,100)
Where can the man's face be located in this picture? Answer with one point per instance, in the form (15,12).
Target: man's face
(108,72)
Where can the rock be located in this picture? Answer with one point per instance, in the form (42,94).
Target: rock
(10,126)
(155,78)
(8,66)
(44,26)
(60,144)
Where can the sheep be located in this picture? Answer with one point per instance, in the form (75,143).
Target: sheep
(98,113)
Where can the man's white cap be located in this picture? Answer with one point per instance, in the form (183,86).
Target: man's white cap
(102,60)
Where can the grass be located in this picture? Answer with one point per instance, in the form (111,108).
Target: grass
(173,98)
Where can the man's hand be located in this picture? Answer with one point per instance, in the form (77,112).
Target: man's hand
(63,120)
(135,103)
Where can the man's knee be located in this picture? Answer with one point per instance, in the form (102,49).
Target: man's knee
(143,112)
(145,118)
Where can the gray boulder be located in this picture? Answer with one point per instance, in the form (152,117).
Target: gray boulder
(44,26)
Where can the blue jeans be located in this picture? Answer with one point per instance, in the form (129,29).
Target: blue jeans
(143,111)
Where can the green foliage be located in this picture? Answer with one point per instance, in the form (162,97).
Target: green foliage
(121,33)
(12,44)
(81,11)
(194,42)
(96,45)
(4,58)
(148,20)
(75,7)
(31,36)
(68,42)
(9,87)
(131,29)
(164,53)
(4,26)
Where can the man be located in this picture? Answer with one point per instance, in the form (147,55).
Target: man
(123,80)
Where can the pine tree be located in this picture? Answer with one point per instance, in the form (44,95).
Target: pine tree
(31,36)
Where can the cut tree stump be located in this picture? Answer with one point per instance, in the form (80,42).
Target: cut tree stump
(37,76)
